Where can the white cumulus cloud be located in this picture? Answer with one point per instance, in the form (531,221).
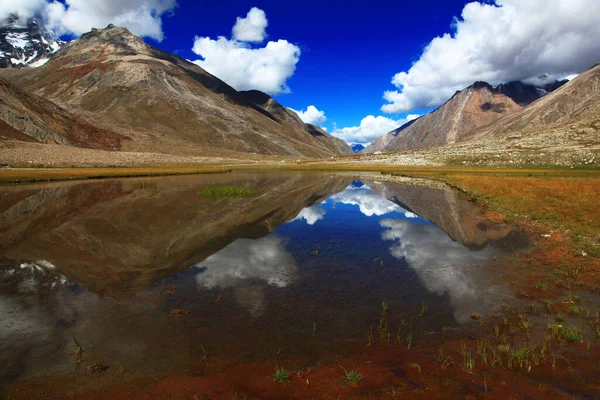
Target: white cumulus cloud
(445,266)
(251,28)
(142,17)
(501,42)
(244,66)
(23,8)
(371,128)
(312,115)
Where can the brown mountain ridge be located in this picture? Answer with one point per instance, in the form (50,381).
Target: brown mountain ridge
(30,118)
(574,106)
(477,106)
(467,110)
(115,81)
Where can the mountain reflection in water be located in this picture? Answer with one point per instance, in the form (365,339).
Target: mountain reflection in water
(108,260)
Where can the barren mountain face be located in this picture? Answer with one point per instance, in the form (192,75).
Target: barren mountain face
(575,105)
(117,82)
(476,106)
(480,105)
(30,118)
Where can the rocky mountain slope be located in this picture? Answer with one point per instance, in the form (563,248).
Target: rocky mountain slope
(467,110)
(25,43)
(478,105)
(574,106)
(285,115)
(163,103)
(30,118)
(559,129)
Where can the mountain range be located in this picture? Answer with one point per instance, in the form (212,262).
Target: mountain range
(478,105)
(109,90)
(156,101)
(575,105)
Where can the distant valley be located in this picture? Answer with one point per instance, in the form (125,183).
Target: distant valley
(357,148)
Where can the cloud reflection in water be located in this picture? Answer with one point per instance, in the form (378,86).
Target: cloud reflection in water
(244,261)
(444,266)
(368,202)
(311,215)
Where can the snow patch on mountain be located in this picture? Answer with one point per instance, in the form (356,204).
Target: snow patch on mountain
(39,62)
(26,43)
(19,40)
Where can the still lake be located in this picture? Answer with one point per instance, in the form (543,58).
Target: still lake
(150,275)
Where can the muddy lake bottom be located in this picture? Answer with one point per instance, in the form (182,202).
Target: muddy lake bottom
(201,287)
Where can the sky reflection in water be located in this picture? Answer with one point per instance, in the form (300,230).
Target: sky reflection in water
(253,273)
(444,266)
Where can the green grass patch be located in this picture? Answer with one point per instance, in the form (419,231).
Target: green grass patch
(571,334)
(572,298)
(226,192)
(520,355)
(576,309)
(353,377)
(281,375)
(590,249)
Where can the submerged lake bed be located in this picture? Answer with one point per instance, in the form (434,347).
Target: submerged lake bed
(157,287)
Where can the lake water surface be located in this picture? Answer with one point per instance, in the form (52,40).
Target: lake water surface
(149,275)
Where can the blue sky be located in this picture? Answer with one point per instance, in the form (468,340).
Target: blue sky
(349,52)
(357,69)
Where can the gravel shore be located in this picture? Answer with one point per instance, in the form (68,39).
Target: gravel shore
(18,154)
(563,148)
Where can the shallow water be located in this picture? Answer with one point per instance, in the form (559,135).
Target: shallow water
(150,275)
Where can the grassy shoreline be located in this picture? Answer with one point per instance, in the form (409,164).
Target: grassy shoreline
(19,175)
(30,175)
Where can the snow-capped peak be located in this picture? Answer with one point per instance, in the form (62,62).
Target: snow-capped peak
(26,43)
